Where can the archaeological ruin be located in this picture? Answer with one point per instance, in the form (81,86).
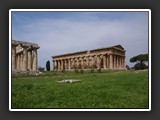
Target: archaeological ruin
(102,58)
(24,56)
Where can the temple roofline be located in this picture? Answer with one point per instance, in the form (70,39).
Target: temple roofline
(17,42)
(85,51)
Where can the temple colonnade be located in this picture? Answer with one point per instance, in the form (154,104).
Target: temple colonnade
(24,56)
(106,58)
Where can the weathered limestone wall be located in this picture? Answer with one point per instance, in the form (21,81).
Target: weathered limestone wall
(105,58)
(24,56)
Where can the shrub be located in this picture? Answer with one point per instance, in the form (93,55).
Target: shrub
(81,71)
(76,71)
(99,70)
(92,70)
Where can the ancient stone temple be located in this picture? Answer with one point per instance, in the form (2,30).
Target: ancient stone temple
(102,58)
(24,56)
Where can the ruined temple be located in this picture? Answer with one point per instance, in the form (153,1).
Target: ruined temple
(24,56)
(112,57)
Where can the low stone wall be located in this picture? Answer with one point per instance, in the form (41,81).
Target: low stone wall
(15,72)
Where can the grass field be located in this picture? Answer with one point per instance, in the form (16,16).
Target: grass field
(108,89)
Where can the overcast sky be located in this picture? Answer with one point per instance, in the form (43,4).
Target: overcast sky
(65,32)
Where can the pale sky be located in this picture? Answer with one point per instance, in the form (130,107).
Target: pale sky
(65,32)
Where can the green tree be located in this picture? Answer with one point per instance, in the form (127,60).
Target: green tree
(141,58)
(127,66)
(139,67)
(48,65)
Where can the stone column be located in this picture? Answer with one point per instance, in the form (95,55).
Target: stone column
(53,65)
(21,61)
(35,60)
(62,64)
(119,61)
(87,58)
(104,61)
(13,57)
(107,61)
(122,62)
(82,63)
(18,62)
(98,61)
(111,61)
(114,61)
(58,65)
(25,58)
(69,64)
(124,65)
(65,64)
(92,62)
(29,60)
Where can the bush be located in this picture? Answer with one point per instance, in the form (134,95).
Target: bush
(76,71)
(99,70)
(92,70)
(81,71)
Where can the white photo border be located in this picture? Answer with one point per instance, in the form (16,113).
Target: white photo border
(81,10)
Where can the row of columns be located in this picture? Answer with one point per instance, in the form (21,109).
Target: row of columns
(26,60)
(88,62)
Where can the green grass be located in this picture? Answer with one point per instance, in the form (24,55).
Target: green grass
(108,89)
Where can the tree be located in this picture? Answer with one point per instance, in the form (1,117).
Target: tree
(141,58)
(138,66)
(127,66)
(48,65)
